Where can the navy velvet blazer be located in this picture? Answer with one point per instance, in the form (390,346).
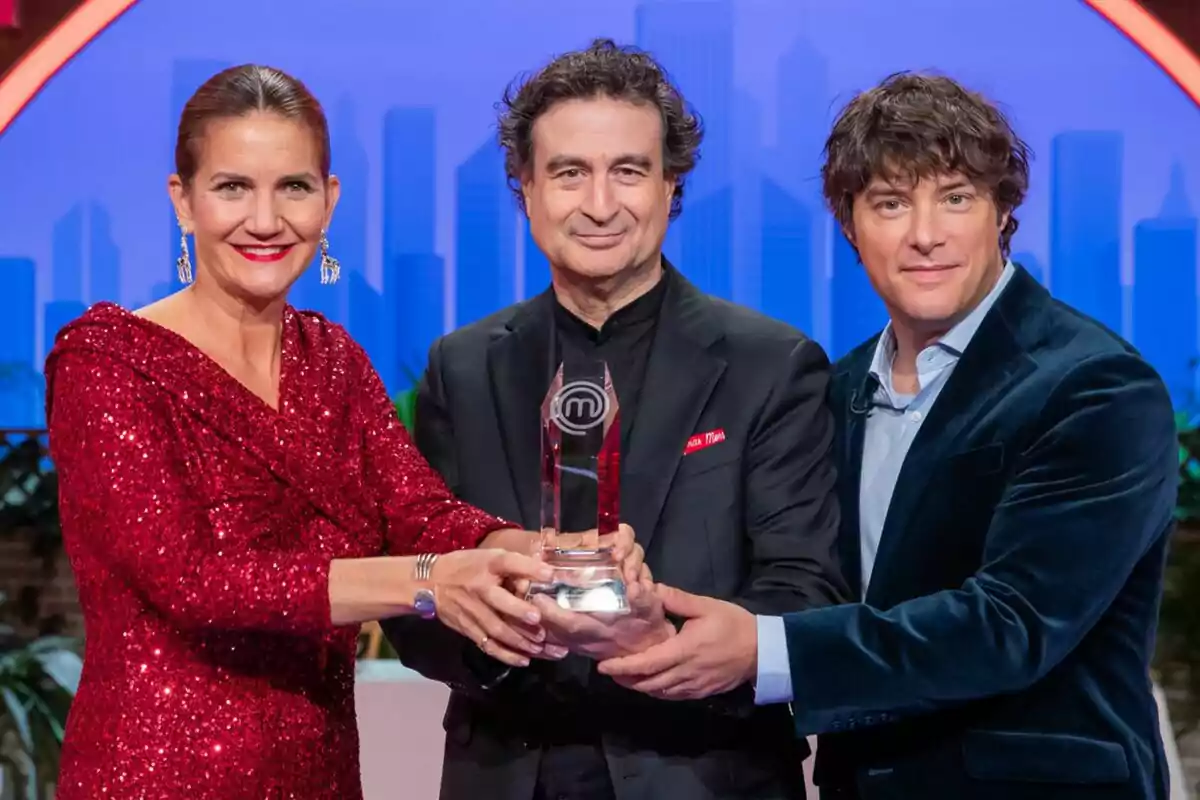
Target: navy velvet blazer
(1003,647)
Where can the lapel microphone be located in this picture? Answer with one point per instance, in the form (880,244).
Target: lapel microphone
(860,401)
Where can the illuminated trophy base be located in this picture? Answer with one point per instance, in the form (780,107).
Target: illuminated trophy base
(587,581)
(581,488)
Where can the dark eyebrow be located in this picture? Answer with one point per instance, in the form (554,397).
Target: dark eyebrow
(641,162)
(878,190)
(565,162)
(233,177)
(628,160)
(230,177)
(957,185)
(299,177)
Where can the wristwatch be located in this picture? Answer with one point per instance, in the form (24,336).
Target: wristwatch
(424,601)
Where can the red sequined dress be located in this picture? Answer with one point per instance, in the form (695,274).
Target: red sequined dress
(200,523)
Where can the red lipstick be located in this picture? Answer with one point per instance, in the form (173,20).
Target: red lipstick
(263,255)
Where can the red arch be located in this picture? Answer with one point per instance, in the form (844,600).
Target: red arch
(39,65)
(1156,40)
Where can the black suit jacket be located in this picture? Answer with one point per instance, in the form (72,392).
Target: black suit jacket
(1004,645)
(752,518)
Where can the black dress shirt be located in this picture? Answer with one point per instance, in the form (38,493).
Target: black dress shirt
(573,766)
(623,342)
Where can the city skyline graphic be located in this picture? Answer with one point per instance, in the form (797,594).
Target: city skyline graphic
(427,230)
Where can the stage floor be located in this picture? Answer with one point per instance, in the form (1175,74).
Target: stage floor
(400,725)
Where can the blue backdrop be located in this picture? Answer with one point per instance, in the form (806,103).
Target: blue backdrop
(427,232)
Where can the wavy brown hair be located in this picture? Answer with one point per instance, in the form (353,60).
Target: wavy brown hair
(915,126)
(604,69)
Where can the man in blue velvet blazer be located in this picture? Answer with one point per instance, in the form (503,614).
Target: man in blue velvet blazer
(1007,476)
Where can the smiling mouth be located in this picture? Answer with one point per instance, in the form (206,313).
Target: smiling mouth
(599,239)
(930,268)
(263,254)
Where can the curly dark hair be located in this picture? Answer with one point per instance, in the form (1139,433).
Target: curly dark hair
(604,69)
(913,126)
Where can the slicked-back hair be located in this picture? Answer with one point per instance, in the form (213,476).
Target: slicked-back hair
(237,92)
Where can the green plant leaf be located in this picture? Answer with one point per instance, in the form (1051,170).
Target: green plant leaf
(19,716)
(61,665)
(44,713)
(406,408)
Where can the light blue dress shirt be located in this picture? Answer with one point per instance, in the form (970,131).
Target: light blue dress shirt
(891,426)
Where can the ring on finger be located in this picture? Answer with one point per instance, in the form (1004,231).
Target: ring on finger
(483,642)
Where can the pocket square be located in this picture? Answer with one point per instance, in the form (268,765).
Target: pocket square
(703,440)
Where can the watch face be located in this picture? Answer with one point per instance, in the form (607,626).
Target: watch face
(424,604)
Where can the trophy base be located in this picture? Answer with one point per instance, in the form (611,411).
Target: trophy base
(585,581)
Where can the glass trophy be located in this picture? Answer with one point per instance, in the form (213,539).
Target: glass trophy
(581,443)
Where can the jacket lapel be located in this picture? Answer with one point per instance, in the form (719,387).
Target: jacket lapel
(993,360)
(680,376)
(520,372)
(853,387)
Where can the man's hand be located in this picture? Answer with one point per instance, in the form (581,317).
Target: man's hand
(625,550)
(602,636)
(715,652)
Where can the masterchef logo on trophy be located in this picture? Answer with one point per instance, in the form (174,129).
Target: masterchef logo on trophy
(579,406)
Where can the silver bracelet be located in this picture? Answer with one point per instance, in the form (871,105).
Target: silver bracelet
(424,566)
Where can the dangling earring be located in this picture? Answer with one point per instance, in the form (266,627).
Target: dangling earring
(184,263)
(331,270)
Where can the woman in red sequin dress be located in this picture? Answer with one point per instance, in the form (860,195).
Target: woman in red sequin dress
(238,495)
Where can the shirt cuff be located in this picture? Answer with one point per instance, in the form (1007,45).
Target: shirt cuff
(774,684)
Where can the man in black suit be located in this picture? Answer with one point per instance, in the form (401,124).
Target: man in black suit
(726,469)
(1007,474)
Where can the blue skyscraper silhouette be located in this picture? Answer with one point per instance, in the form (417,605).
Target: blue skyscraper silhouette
(485,236)
(22,390)
(413,274)
(55,315)
(347,238)
(353,302)
(858,313)
(1085,223)
(535,264)
(694,42)
(104,267)
(67,255)
(793,227)
(787,285)
(805,114)
(67,269)
(746,268)
(1164,291)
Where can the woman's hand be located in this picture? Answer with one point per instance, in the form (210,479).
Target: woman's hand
(471,598)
